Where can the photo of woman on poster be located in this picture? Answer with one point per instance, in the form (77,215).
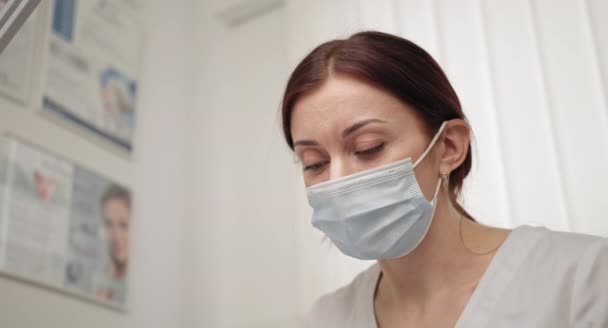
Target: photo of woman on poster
(117,97)
(43,185)
(116,208)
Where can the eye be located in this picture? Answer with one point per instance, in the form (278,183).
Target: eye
(370,151)
(315,167)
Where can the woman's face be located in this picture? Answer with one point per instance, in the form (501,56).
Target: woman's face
(43,186)
(116,212)
(347,126)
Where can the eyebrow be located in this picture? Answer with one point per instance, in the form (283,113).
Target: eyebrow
(359,125)
(348,131)
(305,143)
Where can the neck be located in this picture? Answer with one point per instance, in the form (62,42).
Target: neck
(442,262)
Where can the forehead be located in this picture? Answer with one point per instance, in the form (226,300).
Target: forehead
(116,204)
(341,101)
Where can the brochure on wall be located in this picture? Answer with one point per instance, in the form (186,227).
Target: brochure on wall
(35,214)
(16,62)
(93,57)
(62,225)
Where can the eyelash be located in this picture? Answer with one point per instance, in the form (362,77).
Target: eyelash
(366,152)
(370,151)
(315,166)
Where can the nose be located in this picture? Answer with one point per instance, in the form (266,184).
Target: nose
(339,168)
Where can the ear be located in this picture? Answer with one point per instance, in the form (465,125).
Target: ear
(455,142)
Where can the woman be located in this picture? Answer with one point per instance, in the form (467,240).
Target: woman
(116,208)
(385,148)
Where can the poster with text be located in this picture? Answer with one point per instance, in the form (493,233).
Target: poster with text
(63,225)
(35,213)
(93,63)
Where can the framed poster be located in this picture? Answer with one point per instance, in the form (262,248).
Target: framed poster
(92,68)
(62,225)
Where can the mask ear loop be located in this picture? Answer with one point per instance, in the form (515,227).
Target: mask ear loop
(431,144)
(442,182)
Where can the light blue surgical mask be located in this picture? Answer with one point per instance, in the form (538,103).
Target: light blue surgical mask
(375,214)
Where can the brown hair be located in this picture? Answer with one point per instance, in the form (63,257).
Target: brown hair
(394,64)
(115,191)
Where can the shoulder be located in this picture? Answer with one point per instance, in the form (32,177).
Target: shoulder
(590,283)
(565,247)
(337,308)
(577,265)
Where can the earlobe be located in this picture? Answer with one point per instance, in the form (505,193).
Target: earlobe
(455,144)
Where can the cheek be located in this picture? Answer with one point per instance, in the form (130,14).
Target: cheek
(427,175)
(313,178)
(124,237)
(426,171)
(392,152)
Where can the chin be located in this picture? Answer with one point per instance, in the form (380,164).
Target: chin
(119,261)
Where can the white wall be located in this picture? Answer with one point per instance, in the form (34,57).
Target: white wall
(158,176)
(160,290)
(244,250)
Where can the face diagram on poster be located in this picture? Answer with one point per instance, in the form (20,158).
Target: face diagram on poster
(62,225)
(93,60)
(98,242)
